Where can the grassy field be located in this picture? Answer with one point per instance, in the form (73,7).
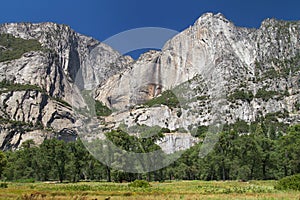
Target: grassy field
(167,190)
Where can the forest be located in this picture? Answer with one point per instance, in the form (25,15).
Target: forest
(264,154)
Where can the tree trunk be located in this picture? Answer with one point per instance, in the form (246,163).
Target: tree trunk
(264,170)
(108,174)
(61,179)
(285,171)
(148,176)
(223,171)
(251,172)
(161,175)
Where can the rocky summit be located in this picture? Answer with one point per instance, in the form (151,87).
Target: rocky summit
(212,73)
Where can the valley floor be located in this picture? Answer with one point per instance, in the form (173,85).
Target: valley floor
(167,190)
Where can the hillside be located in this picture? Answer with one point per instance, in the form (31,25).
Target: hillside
(212,74)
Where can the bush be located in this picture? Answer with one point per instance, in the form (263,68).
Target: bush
(200,131)
(28,180)
(3,185)
(289,183)
(241,126)
(266,95)
(14,48)
(140,184)
(10,86)
(167,98)
(297,106)
(242,95)
(57,99)
(101,109)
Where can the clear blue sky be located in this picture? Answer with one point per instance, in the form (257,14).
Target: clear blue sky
(104,18)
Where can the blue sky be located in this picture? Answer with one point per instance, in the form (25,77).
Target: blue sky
(104,18)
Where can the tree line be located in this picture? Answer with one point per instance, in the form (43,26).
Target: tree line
(261,155)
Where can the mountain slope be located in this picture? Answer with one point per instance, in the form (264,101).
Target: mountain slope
(262,62)
(211,73)
(220,73)
(49,72)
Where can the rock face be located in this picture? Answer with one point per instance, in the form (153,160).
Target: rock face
(220,74)
(65,58)
(230,61)
(68,55)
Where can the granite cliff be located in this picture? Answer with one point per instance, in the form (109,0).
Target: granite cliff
(216,72)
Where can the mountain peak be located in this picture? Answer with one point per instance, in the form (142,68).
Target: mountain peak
(272,22)
(211,17)
(258,71)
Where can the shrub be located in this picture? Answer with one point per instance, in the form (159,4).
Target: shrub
(200,131)
(3,185)
(10,86)
(101,109)
(181,130)
(165,130)
(289,183)
(241,126)
(265,95)
(272,117)
(140,184)
(63,102)
(297,106)
(14,48)
(242,95)
(167,98)
(28,180)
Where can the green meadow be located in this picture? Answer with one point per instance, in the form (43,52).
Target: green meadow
(166,190)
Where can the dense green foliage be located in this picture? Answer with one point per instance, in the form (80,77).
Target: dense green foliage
(289,183)
(101,109)
(3,185)
(140,184)
(132,143)
(265,153)
(200,131)
(3,162)
(61,101)
(13,48)
(266,95)
(52,160)
(167,98)
(6,86)
(241,94)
